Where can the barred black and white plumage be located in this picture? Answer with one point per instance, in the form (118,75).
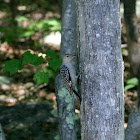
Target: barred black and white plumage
(68,75)
(64,71)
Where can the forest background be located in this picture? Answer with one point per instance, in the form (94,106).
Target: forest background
(28,108)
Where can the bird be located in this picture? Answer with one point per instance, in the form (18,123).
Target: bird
(68,74)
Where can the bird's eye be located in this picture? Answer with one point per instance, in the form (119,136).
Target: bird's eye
(67,56)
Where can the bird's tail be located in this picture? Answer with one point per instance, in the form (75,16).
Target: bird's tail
(78,95)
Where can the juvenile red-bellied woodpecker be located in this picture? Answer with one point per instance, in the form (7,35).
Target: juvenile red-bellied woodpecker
(68,75)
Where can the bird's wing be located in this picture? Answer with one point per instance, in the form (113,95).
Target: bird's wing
(64,70)
(67,80)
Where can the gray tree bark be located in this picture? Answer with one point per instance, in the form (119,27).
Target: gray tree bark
(101,83)
(133,129)
(66,103)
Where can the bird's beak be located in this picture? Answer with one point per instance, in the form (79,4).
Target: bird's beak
(73,56)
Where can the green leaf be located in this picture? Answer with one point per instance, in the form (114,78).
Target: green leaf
(33,59)
(133,81)
(53,22)
(12,66)
(21,19)
(55,64)
(41,77)
(50,72)
(32,26)
(26,34)
(127,87)
(54,25)
(52,54)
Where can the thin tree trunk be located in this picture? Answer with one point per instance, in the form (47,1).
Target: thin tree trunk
(133,128)
(101,83)
(132,39)
(132,35)
(66,112)
(13,8)
(66,103)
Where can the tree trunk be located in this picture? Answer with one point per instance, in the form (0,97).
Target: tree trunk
(133,128)
(101,83)
(66,112)
(132,39)
(13,8)
(132,35)
(66,103)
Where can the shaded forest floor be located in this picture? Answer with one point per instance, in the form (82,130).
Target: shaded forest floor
(28,111)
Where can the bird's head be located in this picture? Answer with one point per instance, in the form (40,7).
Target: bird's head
(67,58)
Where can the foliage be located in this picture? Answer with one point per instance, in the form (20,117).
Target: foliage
(52,54)
(10,33)
(23,27)
(42,76)
(12,66)
(32,59)
(55,62)
(131,83)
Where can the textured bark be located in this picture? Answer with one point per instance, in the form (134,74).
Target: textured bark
(132,35)
(69,37)
(66,112)
(66,103)
(101,83)
(133,129)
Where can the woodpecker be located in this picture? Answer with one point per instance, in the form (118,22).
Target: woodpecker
(68,75)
